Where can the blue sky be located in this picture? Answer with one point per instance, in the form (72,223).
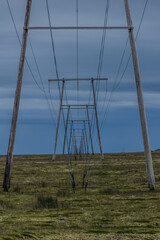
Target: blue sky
(121,130)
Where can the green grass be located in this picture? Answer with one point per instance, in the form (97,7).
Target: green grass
(117,205)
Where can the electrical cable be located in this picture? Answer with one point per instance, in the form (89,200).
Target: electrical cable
(77,33)
(100,64)
(15,27)
(54,54)
(102,49)
(37,67)
(69,158)
(77,49)
(116,85)
(55,60)
(40,77)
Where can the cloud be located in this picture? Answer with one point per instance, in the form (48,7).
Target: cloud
(129,100)
(34,106)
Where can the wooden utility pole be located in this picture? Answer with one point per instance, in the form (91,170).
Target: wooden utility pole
(90,131)
(78,106)
(9,160)
(148,156)
(66,127)
(96,115)
(59,117)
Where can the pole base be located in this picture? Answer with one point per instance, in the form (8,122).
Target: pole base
(151,188)
(5,189)
(102,157)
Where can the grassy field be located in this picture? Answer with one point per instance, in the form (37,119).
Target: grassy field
(117,204)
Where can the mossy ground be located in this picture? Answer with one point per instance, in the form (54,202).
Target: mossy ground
(117,205)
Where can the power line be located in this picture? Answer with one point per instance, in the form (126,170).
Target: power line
(56,67)
(53,49)
(102,47)
(116,78)
(38,70)
(54,55)
(13,21)
(116,85)
(36,63)
(77,20)
(100,64)
(135,40)
(77,35)
(40,77)
(57,75)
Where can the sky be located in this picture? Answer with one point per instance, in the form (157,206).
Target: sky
(118,118)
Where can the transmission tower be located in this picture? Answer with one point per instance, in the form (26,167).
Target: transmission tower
(129,27)
(70,107)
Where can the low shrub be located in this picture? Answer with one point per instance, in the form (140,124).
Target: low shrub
(46,202)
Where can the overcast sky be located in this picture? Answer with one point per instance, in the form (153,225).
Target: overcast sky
(121,129)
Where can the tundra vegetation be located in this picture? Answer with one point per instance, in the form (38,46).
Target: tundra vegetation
(117,205)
